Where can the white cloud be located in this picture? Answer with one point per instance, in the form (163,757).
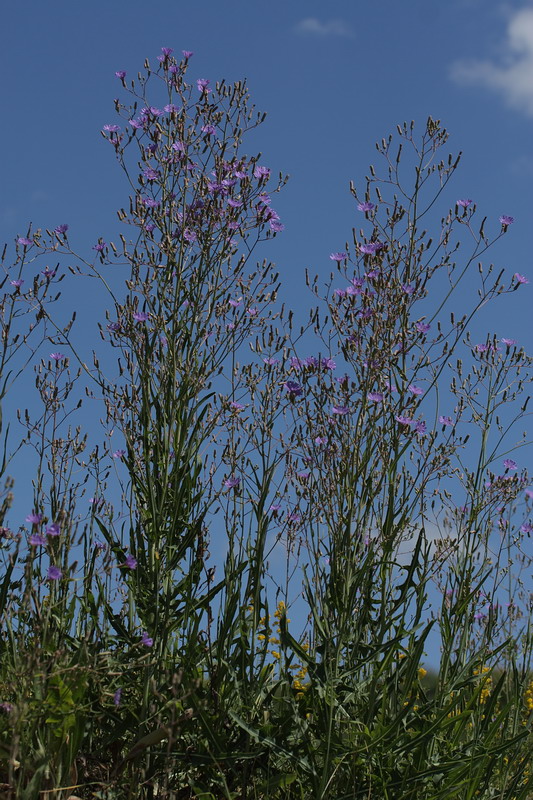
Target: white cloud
(333,27)
(512,75)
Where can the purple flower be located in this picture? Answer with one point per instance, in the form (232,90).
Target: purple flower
(150,202)
(328,363)
(120,74)
(232,483)
(130,562)
(422,327)
(189,236)
(390,386)
(187,53)
(407,288)
(341,411)
(303,476)
(61,228)
(294,389)
(147,640)
(274,508)
(235,303)
(47,272)
(526,527)
(464,203)
(167,51)
(119,453)
(520,278)
(117,696)
(481,348)
(57,356)
(236,406)
(261,172)
(25,241)
(53,529)
(321,440)
(113,326)
(54,573)
(150,174)
(99,545)
(270,361)
(371,247)
(310,362)
(510,464)
(339,293)
(293,516)
(416,390)
(529,494)
(403,420)
(170,108)
(202,85)
(234,203)
(446,421)
(179,147)
(209,130)
(111,128)
(141,316)
(509,342)
(35,519)
(100,246)
(252,312)
(375,397)
(420,427)
(505,220)
(276,225)
(338,256)
(17,283)
(37,539)
(365,206)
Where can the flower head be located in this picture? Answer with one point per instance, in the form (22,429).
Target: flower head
(510,464)
(147,640)
(141,316)
(509,342)
(232,483)
(520,278)
(57,356)
(119,453)
(61,228)
(422,327)
(54,573)
(506,220)
(294,389)
(464,203)
(37,540)
(23,240)
(202,85)
(17,283)
(365,206)
(117,696)
(416,390)
(370,248)
(375,397)
(120,74)
(35,519)
(341,411)
(447,421)
(100,246)
(130,562)
(338,256)
(53,529)
(187,53)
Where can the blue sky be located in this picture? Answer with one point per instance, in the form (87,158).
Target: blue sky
(333,78)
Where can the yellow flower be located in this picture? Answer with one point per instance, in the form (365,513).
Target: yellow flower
(422,673)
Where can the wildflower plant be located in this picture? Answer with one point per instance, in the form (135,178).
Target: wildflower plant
(148,661)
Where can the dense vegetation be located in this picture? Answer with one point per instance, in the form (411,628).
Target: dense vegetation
(357,470)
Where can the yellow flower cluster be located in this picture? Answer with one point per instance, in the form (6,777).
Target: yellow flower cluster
(528,697)
(487,683)
(280,611)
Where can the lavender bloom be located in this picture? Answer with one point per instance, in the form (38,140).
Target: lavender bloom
(53,529)
(190,236)
(37,540)
(371,247)
(328,363)
(147,640)
(520,278)
(375,397)
(338,256)
(167,51)
(252,312)
(35,519)
(54,573)
(202,85)
(294,389)
(117,696)
(111,128)
(422,327)
(276,225)
(119,453)
(130,562)
(526,527)
(187,53)
(236,406)
(510,464)
(57,356)
(120,74)
(25,241)
(47,272)
(100,246)
(235,303)
(170,108)
(234,203)
(341,411)
(407,288)
(293,516)
(150,174)
(61,228)
(209,130)
(274,508)
(420,427)
(529,494)
(232,483)
(481,348)
(509,342)
(141,316)
(464,203)
(339,293)
(403,420)
(113,326)
(416,390)
(270,361)
(446,421)
(365,206)
(321,440)
(261,172)
(149,202)
(310,362)
(506,220)
(17,283)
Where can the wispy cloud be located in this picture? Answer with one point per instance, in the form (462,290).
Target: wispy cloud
(311,26)
(511,75)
